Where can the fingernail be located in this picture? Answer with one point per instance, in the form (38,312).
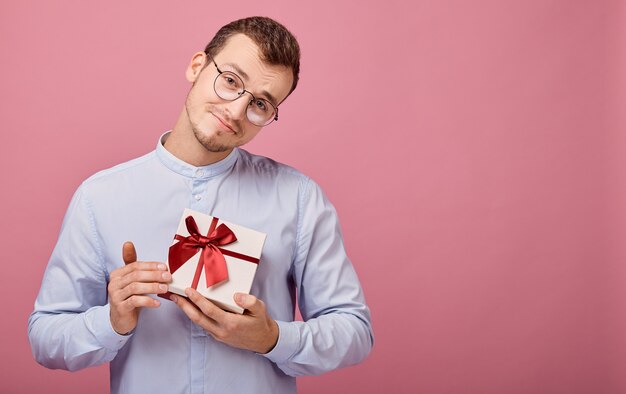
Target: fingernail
(241,298)
(174,298)
(188,292)
(166,275)
(162,267)
(163,287)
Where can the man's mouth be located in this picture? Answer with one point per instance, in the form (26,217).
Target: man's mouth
(225,124)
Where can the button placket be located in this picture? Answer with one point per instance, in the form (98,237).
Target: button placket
(199,203)
(198,192)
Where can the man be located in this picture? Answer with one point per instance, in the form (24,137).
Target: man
(94,307)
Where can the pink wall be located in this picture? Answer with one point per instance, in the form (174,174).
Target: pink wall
(475,152)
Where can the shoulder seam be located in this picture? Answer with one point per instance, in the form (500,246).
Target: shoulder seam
(120,167)
(304,183)
(94,234)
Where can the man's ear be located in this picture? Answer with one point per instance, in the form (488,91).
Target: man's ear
(196,65)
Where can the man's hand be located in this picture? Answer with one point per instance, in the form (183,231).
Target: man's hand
(128,286)
(255,330)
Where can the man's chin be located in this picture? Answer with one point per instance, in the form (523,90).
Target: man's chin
(210,144)
(217,149)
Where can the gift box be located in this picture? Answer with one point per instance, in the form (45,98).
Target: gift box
(215,257)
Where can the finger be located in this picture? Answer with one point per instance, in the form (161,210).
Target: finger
(194,314)
(119,281)
(206,306)
(138,301)
(133,270)
(249,302)
(144,276)
(138,288)
(129,254)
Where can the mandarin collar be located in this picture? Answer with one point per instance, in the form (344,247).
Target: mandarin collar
(180,167)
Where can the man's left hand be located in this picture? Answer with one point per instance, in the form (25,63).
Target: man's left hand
(255,330)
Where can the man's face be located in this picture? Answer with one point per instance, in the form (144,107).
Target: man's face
(220,125)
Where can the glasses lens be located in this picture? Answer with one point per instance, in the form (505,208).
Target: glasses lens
(228,86)
(260,112)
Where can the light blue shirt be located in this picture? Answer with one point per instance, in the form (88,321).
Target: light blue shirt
(142,201)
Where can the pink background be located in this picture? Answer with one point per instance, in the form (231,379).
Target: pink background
(475,152)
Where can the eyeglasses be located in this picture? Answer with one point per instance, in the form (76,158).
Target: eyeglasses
(229,86)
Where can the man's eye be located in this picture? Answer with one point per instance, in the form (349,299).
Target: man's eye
(261,105)
(230,81)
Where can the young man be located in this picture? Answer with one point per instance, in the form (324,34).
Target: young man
(94,307)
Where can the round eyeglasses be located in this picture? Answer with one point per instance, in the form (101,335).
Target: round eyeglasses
(229,86)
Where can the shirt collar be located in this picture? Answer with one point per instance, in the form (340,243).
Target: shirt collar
(180,167)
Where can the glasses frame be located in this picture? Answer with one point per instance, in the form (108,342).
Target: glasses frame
(243,91)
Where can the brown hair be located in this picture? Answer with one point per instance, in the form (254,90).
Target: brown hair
(277,45)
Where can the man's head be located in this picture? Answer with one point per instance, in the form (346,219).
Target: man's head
(258,60)
(276,44)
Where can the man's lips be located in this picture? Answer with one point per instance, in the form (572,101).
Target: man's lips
(229,127)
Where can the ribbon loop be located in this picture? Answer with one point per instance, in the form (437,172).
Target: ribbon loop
(211,258)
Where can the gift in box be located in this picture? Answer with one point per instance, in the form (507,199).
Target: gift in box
(215,257)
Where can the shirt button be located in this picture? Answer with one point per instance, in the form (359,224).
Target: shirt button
(199,173)
(197,197)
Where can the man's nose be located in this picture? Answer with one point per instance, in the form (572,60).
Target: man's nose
(237,108)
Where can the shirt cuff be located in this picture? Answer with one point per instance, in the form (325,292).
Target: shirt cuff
(287,344)
(99,323)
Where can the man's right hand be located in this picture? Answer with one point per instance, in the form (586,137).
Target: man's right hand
(129,285)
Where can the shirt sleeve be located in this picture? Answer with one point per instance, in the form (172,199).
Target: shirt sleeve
(337,330)
(70,326)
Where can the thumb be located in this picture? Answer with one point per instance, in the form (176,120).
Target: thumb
(128,253)
(249,302)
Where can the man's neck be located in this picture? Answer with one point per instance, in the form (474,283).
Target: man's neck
(182,143)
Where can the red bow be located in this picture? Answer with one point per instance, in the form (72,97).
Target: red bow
(212,259)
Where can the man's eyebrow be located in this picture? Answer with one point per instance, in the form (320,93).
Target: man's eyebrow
(238,70)
(269,96)
(243,74)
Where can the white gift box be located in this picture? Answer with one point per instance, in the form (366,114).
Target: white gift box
(241,273)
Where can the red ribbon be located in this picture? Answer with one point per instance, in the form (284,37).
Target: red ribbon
(212,257)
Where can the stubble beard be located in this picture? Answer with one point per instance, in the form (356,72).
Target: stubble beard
(207,141)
